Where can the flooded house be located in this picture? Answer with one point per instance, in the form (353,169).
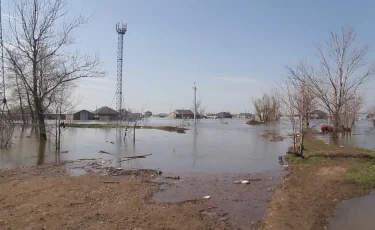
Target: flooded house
(80,115)
(318,114)
(246,116)
(224,115)
(182,114)
(105,114)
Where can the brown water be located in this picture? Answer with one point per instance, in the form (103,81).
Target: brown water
(354,214)
(210,147)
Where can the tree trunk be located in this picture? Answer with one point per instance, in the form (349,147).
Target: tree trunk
(20,99)
(335,126)
(41,118)
(301,148)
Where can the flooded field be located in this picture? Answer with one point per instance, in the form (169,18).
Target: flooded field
(209,147)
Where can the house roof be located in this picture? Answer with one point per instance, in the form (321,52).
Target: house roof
(183,111)
(105,110)
(317,111)
(225,113)
(77,111)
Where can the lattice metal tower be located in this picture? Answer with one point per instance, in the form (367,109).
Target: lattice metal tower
(121,30)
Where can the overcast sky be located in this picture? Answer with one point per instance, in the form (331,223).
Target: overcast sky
(234,50)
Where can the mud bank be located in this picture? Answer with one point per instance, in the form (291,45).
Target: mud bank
(48,196)
(241,205)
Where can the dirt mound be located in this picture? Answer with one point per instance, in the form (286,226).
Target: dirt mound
(272,136)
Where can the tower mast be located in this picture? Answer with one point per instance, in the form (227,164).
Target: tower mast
(121,30)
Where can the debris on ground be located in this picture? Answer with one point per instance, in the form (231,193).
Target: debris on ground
(206,197)
(173,177)
(242,182)
(101,151)
(140,156)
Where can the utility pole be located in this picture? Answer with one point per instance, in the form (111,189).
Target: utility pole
(195,103)
(121,30)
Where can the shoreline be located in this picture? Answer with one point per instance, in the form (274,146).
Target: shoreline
(308,195)
(158,191)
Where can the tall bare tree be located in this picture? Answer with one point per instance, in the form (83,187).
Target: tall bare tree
(37,49)
(343,69)
(300,101)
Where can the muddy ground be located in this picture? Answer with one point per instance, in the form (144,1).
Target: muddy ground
(48,197)
(309,193)
(241,205)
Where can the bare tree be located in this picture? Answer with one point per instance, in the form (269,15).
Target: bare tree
(200,108)
(343,69)
(350,112)
(298,101)
(267,107)
(39,36)
(62,103)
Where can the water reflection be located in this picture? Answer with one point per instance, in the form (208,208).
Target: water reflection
(208,146)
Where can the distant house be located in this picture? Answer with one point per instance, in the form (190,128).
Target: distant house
(105,114)
(81,115)
(210,115)
(224,115)
(318,114)
(246,116)
(181,113)
(148,114)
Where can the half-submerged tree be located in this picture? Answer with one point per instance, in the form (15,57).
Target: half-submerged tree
(343,69)
(40,34)
(267,108)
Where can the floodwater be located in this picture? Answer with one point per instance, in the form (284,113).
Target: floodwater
(357,213)
(208,147)
(363,135)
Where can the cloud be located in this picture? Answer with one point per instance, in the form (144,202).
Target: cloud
(238,79)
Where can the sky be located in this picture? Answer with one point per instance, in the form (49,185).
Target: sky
(234,50)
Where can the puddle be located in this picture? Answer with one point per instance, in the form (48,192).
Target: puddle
(243,204)
(357,213)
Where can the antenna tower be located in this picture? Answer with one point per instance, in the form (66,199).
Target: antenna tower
(121,30)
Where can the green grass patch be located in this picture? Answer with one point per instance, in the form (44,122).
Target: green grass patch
(293,159)
(364,150)
(364,173)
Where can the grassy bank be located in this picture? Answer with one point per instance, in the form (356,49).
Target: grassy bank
(115,126)
(315,185)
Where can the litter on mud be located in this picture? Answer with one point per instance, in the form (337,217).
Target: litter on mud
(242,182)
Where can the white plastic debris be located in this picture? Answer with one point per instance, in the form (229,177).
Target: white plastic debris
(341,146)
(207,197)
(241,182)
